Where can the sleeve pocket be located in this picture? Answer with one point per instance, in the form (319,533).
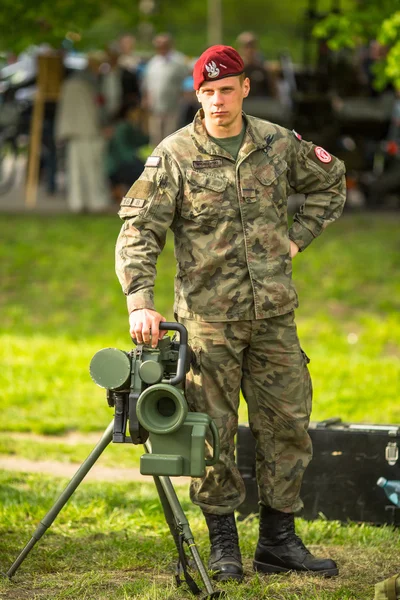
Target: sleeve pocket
(136,201)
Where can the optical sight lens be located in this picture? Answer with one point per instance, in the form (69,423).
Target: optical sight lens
(166,407)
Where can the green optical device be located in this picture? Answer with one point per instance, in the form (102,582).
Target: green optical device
(145,387)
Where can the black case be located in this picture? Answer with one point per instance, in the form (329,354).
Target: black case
(340,482)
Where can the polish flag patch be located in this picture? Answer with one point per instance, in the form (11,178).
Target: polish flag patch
(322,155)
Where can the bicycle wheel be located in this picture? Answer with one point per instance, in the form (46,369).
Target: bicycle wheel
(8,163)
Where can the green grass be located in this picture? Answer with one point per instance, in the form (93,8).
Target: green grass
(111,541)
(60,302)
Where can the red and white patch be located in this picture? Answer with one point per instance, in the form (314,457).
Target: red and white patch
(322,154)
(299,137)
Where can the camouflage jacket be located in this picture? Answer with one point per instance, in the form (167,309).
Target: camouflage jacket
(229,220)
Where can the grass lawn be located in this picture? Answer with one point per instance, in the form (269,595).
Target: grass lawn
(111,541)
(60,302)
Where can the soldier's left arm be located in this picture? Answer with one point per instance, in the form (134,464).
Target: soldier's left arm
(321,178)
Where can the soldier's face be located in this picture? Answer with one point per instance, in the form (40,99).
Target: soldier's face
(222,102)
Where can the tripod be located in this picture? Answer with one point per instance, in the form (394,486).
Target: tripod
(125,404)
(174,515)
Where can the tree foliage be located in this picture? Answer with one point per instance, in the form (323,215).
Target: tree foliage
(279,25)
(368,20)
(26,22)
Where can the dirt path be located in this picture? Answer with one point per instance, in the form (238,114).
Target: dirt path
(63,469)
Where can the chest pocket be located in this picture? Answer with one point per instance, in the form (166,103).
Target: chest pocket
(203,197)
(273,188)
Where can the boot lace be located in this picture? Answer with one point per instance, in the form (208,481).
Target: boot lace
(296,541)
(225,537)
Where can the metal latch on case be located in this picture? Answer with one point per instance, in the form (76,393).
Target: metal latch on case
(392,453)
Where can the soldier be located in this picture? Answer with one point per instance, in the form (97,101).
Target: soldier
(221,184)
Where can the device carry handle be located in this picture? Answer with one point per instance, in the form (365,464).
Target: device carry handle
(211,461)
(183,349)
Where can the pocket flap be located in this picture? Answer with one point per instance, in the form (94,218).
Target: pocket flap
(268,173)
(204,180)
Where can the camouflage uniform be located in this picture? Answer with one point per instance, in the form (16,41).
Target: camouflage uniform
(233,287)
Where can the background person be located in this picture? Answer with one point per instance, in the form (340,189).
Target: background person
(162,88)
(128,58)
(79,125)
(261,81)
(126,137)
(119,86)
(221,185)
(189,103)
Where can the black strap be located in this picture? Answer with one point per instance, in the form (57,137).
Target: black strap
(182,567)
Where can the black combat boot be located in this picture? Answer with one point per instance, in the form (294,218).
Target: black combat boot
(225,558)
(279,549)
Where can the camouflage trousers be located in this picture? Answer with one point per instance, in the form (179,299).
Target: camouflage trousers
(262,358)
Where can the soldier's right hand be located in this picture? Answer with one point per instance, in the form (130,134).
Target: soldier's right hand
(144,326)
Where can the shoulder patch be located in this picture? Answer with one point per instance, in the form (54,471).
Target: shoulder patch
(140,189)
(153,161)
(321,157)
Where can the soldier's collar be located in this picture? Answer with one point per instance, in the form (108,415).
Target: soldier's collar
(258,140)
(206,146)
(201,139)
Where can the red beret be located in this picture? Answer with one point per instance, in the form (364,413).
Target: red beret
(215,63)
